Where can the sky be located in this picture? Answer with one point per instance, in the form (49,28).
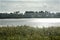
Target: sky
(29,5)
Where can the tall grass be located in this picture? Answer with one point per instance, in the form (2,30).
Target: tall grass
(29,33)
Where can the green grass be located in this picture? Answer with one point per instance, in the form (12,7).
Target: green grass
(29,33)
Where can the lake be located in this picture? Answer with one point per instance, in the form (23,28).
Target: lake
(31,22)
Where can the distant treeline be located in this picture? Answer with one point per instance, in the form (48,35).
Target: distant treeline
(30,14)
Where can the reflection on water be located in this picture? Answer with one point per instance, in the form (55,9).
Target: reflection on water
(31,22)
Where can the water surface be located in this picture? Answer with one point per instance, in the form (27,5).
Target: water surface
(31,22)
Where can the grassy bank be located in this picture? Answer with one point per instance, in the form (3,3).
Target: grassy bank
(29,33)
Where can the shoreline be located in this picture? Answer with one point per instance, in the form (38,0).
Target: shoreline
(27,18)
(27,25)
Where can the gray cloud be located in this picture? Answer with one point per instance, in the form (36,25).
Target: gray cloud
(23,5)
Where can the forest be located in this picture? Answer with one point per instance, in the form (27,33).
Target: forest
(30,14)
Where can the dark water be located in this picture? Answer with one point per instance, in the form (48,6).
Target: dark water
(31,22)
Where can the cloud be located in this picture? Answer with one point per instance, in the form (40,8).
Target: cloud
(22,0)
(24,5)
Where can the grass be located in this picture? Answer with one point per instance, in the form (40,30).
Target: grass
(29,33)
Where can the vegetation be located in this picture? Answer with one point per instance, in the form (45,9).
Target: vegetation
(30,14)
(29,33)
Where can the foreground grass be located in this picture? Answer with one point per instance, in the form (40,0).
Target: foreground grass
(29,33)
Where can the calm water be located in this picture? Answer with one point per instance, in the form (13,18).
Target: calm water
(31,22)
